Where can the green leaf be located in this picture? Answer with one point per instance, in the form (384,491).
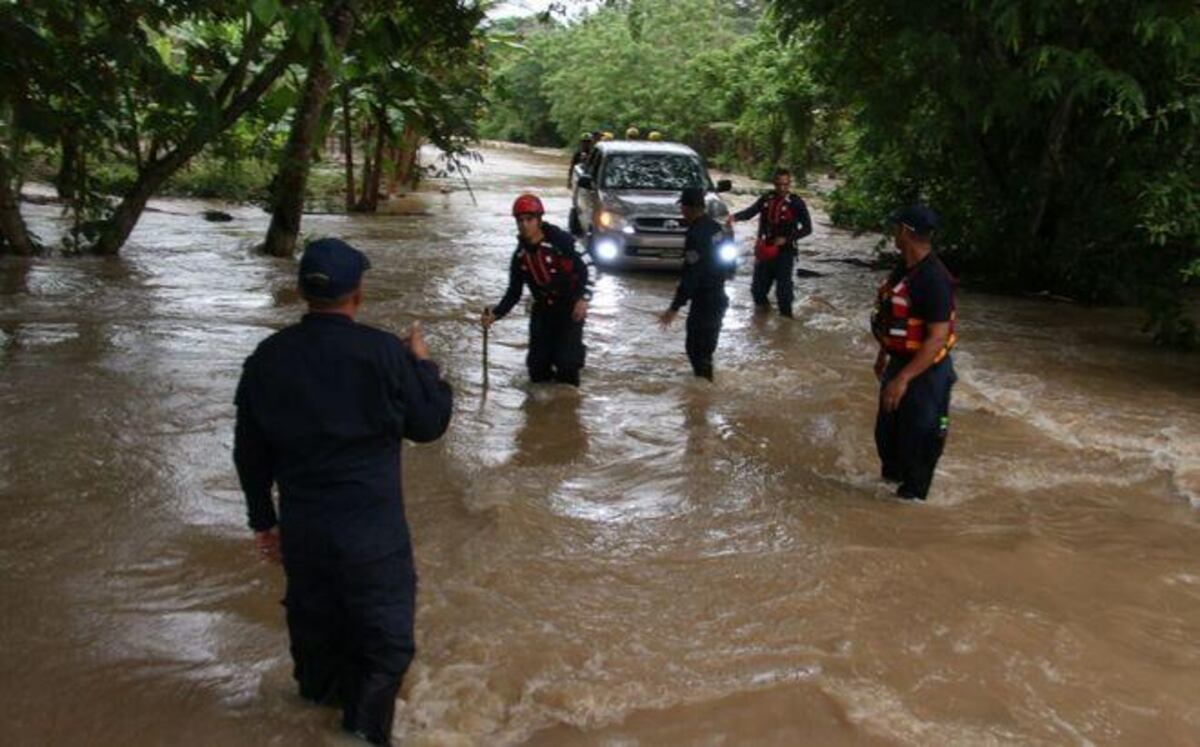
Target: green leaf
(265,11)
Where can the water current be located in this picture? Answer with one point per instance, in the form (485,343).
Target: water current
(650,560)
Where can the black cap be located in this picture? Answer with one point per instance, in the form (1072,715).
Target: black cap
(919,218)
(331,268)
(693,197)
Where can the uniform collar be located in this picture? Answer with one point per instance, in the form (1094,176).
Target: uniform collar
(326,317)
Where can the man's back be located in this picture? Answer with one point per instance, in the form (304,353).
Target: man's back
(323,405)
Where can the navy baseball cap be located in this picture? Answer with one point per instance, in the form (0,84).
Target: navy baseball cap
(693,197)
(331,268)
(919,218)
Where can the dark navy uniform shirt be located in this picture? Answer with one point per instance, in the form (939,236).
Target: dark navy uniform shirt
(793,230)
(930,286)
(321,409)
(704,274)
(566,278)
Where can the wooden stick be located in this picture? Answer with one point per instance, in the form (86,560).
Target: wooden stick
(485,357)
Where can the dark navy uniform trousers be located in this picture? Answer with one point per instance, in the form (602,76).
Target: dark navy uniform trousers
(556,350)
(910,439)
(323,407)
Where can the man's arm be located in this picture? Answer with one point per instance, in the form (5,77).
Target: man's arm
(427,399)
(255,468)
(513,294)
(583,272)
(933,301)
(938,333)
(803,225)
(751,211)
(694,256)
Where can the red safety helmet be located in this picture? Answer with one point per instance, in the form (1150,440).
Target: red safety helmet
(528,204)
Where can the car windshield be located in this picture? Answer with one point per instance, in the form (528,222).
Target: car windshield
(665,171)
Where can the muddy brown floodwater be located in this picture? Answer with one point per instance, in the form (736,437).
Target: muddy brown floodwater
(649,561)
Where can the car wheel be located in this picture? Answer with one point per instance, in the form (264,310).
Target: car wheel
(573,222)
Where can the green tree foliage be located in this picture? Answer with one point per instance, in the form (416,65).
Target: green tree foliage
(516,108)
(143,82)
(1057,137)
(142,87)
(412,75)
(711,73)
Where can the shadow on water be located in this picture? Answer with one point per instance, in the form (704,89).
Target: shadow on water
(552,431)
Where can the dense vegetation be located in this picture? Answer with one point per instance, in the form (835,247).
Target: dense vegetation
(123,96)
(709,72)
(1058,138)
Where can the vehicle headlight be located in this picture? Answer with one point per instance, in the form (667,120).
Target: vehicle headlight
(728,251)
(609,221)
(607,250)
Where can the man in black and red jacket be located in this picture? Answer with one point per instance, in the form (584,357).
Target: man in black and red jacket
(557,276)
(783,220)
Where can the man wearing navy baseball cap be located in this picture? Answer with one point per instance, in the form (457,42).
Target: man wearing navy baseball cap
(322,408)
(914,322)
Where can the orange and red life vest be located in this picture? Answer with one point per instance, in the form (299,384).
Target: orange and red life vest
(897,329)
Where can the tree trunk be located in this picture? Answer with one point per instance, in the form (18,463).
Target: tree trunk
(372,196)
(395,157)
(297,155)
(406,160)
(1051,163)
(157,170)
(66,182)
(348,149)
(368,135)
(12,226)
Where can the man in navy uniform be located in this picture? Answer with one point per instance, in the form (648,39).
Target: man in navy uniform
(707,264)
(557,275)
(783,220)
(914,322)
(322,407)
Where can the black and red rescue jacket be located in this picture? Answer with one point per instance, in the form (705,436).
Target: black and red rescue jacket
(557,275)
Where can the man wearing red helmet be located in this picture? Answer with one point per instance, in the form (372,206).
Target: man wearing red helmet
(557,275)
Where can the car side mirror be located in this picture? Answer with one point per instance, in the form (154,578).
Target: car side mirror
(724,185)
(585,182)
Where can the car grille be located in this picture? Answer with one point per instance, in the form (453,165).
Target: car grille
(653,253)
(659,224)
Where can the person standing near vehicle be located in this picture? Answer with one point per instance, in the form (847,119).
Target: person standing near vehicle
(914,322)
(557,275)
(586,140)
(783,220)
(322,408)
(705,270)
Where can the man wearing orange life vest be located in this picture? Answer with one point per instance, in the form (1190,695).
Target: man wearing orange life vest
(783,220)
(557,275)
(914,322)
